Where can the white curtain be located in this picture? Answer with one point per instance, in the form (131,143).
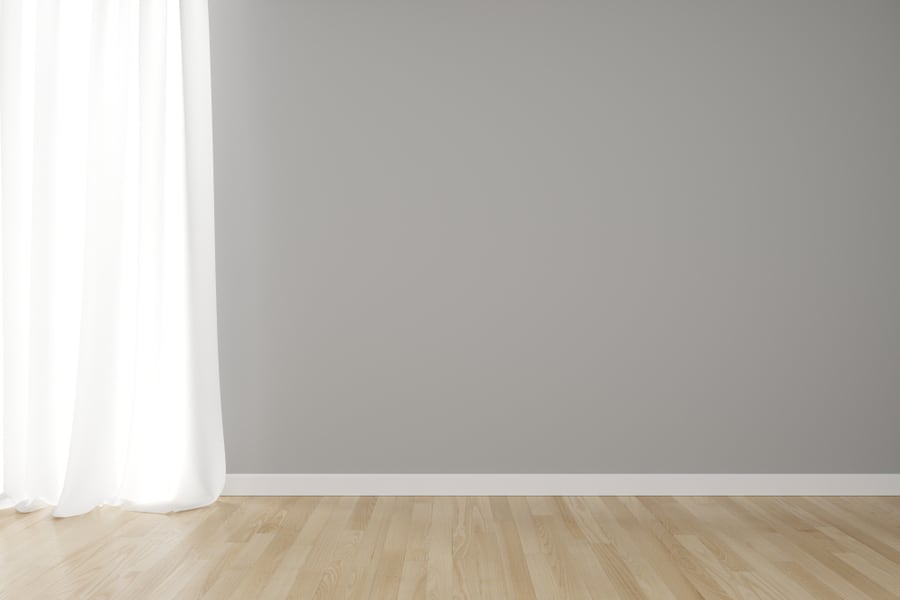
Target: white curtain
(109,363)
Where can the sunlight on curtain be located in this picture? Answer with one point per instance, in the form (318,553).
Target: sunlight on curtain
(109,363)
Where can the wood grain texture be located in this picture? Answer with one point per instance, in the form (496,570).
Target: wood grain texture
(462,547)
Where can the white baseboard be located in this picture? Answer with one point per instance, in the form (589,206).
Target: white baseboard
(434,484)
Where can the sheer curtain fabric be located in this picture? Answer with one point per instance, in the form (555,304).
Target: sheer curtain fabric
(108,360)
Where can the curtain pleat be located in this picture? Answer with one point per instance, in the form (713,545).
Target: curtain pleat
(107,270)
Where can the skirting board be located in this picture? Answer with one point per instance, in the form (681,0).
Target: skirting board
(435,484)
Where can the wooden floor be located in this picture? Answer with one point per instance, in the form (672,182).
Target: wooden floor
(626,547)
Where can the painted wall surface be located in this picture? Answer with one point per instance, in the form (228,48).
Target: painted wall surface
(549,237)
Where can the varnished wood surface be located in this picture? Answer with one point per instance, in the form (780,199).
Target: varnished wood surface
(520,548)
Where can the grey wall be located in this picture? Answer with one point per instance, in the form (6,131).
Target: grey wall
(611,236)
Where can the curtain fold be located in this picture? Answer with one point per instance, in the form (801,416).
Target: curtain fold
(109,388)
